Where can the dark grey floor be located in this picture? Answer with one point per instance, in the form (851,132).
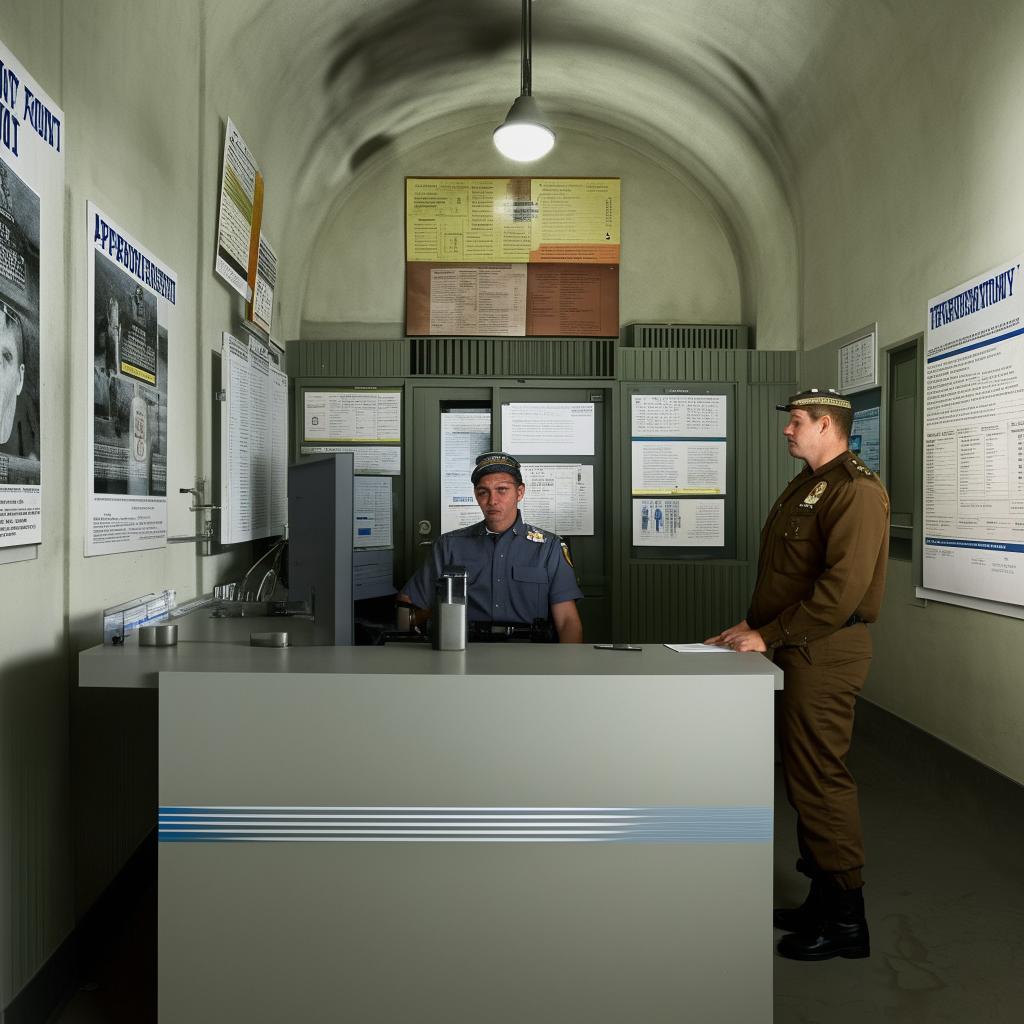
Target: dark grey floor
(945,899)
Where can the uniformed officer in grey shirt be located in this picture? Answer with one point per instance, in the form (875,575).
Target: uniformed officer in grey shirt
(516,572)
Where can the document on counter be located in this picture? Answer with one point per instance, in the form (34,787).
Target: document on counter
(699,649)
(547,428)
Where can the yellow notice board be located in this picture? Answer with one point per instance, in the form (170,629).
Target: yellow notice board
(512,220)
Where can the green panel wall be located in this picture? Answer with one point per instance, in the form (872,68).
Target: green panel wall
(653,600)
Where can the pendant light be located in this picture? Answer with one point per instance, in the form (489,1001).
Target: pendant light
(524,134)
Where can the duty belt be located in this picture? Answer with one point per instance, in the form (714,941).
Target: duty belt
(852,621)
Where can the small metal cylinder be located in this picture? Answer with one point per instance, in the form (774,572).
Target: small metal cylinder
(162,635)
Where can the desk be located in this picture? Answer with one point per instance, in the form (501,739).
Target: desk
(514,833)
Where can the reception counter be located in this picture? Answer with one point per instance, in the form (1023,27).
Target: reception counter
(513,833)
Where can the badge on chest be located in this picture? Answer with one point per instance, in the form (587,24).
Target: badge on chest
(814,496)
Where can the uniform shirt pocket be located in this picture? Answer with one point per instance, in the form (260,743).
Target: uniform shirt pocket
(796,552)
(529,574)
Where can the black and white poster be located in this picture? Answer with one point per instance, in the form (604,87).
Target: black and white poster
(31,188)
(131,301)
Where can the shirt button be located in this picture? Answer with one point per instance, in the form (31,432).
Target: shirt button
(499,579)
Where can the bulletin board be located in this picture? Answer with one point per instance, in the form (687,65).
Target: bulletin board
(681,471)
(515,257)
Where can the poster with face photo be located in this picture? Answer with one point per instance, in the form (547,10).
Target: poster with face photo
(31,193)
(131,301)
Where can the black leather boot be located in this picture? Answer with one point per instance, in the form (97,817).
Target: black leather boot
(808,916)
(843,930)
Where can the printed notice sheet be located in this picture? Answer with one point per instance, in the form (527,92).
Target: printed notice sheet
(368,459)
(254,443)
(263,283)
(865,438)
(678,523)
(974,439)
(371,512)
(465,434)
(132,325)
(676,417)
(559,497)
(678,467)
(488,300)
(512,220)
(31,223)
(241,209)
(547,428)
(857,364)
(353,415)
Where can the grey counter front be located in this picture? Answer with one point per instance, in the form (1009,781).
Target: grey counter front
(514,833)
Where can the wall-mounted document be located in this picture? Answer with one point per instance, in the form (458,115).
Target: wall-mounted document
(368,459)
(678,417)
(858,363)
(488,300)
(547,428)
(465,434)
(371,512)
(678,467)
(353,415)
(31,274)
(241,210)
(559,497)
(132,330)
(678,523)
(254,443)
(974,439)
(263,282)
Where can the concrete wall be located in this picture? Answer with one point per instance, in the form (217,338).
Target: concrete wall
(908,153)
(678,259)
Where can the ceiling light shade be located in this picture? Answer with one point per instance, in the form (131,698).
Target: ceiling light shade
(524,135)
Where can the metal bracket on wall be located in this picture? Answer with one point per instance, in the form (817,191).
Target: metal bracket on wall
(204,534)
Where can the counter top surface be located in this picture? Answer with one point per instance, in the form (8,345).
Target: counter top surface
(223,646)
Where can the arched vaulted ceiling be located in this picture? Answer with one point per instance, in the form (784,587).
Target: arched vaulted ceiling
(695,84)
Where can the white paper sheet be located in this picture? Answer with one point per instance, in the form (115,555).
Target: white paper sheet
(345,416)
(559,497)
(679,416)
(698,649)
(547,428)
(465,434)
(369,459)
(678,467)
(371,512)
(678,522)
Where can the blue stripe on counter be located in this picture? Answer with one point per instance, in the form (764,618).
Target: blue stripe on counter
(466,824)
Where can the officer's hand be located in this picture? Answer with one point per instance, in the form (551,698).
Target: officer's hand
(739,638)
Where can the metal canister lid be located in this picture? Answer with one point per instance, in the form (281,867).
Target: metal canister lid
(275,639)
(162,635)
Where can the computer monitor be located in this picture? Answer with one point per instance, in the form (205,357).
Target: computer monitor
(320,544)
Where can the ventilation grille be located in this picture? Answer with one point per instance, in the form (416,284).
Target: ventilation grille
(666,365)
(716,336)
(348,358)
(513,357)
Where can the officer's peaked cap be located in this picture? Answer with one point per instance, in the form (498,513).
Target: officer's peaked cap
(816,396)
(496,462)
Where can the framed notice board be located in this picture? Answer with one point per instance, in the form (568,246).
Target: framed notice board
(682,475)
(515,257)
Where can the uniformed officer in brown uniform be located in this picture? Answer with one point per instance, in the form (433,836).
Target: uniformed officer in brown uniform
(820,579)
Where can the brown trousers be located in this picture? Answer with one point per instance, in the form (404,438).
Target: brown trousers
(814,719)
